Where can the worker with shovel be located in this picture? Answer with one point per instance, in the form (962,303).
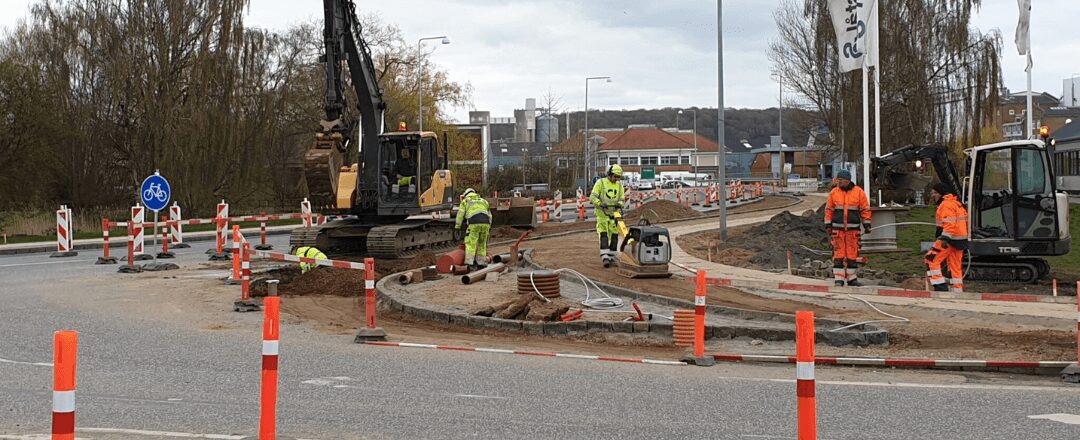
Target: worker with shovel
(846,211)
(476,210)
(952,240)
(607,198)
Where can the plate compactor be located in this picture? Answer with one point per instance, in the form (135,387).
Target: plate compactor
(645,250)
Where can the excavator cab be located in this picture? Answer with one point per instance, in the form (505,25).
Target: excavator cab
(413,177)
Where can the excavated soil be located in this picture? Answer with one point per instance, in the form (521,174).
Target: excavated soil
(763,246)
(659,211)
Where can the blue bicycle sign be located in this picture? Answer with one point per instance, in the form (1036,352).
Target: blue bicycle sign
(155,192)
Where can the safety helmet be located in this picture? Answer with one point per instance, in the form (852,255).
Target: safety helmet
(614,170)
(467,192)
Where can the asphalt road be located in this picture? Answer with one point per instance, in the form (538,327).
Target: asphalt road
(172,378)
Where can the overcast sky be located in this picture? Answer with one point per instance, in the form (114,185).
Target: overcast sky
(659,53)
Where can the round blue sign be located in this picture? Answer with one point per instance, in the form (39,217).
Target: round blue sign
(155,192)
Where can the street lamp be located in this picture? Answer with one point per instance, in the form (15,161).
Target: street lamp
(695,161)
(586,150)
(420,78)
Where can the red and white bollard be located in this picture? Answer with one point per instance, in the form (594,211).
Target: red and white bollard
(105,258)
(270,352)
(543,211)
(130,267)
(263,245)
(64,233)
(305,211)
(370,332)
(581,208)
(804,375)
(245,304)
(165,242)
(557,207)
(218,253)
(235,277)
(65,357)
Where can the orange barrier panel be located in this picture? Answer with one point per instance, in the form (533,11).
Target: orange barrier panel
(804,383)
(268,394)
(369,291)
(245,274)
(699,315)
(235,253)
(65,352)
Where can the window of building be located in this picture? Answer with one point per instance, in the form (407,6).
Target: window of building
(562,162)
(669,160)
(628,160)
(650,160)
(685,160)
(613,161)
(1012,112)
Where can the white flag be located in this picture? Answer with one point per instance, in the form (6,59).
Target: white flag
(856,30)
(1023,28)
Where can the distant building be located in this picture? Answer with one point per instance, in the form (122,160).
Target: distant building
(1011,113)
(1066,151)
(639,146)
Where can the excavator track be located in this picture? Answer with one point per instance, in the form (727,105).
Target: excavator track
(406,239)
(1026,270)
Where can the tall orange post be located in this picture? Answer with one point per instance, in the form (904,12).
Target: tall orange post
(245,273)
(105,238)
(220,241)
(699,314)
(235,253)
(804,383)
(268,394)
(65,352)
(369,332)
(543,211)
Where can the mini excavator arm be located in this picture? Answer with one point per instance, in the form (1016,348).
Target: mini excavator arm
(887,175)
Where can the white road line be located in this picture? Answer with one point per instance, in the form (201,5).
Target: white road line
(160,433)
(1071,419)
(45,262)
(923,385)
(477,396)
(34,364)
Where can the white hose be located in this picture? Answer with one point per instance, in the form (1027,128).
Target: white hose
(896,318)
(607,302)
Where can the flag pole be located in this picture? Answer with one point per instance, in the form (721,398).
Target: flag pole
(877,89)
(1029,93)
(866,128)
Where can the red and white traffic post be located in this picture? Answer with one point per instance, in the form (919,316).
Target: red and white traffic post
(64,233)
(305,211)
(370,332)
(245,304)
(263,246)
(234,278)
(804,375)
(65,353)
(177,230)
(700,292)
(270,351)
(130,267)
(165,242)
(136,225)
(105,258)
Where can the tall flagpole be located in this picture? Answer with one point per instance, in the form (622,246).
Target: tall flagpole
(1029,93)
(877,88)
(721,157)
(866,127)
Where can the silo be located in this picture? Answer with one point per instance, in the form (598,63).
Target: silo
(547,129)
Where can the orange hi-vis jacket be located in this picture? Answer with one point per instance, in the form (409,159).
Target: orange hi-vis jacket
(847,209)
(952,218)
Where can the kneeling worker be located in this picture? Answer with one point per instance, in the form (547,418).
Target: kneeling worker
(309,252)
(476,210)
(607,198)
(846,210)
(952,240)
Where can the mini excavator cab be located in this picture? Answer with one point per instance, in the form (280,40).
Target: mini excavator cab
(413,177)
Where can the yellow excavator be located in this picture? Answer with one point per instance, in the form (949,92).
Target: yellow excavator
(394,191)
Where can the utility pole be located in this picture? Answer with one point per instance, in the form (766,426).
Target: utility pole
(722,159)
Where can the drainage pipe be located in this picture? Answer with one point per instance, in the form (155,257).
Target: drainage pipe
(480,274)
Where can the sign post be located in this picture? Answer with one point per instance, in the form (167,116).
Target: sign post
(154,193)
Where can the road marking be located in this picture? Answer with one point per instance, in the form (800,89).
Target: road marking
(1071,419)
(160,433)
(477,396)
(34,364)
(318,382)
(922,385)
(45,262)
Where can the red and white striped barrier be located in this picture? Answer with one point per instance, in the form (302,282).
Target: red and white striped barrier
(105,258)
(270,352)
(137,227)
(280,256)
(804,375)
(65,356)
(177,228)
(305,211)
(892,362)
(64,233)
(222,227)
(903,293)
(528,353)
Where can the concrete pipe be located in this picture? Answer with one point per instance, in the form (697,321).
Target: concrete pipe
(480,274)
(459,270)
(505,258)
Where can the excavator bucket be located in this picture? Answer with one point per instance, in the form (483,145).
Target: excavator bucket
(513,211)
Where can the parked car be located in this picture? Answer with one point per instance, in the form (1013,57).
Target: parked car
(672,184)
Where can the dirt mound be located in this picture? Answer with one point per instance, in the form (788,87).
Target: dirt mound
(658,211)
(502,233)
(423,259)
(765,246)
(320,281)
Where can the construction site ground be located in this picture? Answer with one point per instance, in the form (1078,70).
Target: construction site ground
(329,300)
